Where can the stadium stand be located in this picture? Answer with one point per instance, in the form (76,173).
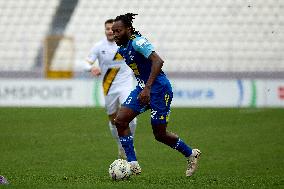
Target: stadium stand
(23,27)
(191,35)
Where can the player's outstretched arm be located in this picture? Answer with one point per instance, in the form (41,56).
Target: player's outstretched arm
(96,71)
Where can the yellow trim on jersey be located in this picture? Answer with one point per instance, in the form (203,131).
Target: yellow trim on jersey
(134,68)
(108,79)
(117,57)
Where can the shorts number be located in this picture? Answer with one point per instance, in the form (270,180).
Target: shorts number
(128,100)
(141,83)
(153,113)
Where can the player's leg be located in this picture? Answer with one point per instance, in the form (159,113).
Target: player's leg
(132,126)
(124,116)
(162,135)
(122,98)
(113,130)
(112,104)
(126,121)
(159,118)
(128,111)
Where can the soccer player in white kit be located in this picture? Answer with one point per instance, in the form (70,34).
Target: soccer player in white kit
(117,79)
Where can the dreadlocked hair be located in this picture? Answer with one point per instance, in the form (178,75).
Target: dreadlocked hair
(127,20)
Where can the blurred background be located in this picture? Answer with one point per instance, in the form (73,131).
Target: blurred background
(225,61)
(217,53)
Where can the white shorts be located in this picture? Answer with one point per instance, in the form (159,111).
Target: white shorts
(114,100)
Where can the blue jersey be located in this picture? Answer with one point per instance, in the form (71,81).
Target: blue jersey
(136,54)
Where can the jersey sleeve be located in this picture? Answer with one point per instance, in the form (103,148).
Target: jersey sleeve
(93,55)
(141,45)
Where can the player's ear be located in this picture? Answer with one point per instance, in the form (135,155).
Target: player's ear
(128,29)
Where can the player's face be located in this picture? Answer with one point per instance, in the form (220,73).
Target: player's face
(108,31)
(121,33)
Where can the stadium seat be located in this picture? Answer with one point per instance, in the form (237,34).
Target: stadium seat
(220,36)
(24,25)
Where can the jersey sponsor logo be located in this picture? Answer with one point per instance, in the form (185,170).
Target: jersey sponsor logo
(141,42)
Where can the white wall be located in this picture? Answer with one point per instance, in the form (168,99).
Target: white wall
(187,93)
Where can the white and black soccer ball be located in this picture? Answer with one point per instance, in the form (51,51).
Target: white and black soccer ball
(119,170)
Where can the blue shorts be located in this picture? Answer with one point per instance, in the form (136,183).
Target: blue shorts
(160,104)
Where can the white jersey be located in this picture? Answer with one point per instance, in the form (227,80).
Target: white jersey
(116,74)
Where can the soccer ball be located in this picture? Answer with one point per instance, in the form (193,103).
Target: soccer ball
(119,170)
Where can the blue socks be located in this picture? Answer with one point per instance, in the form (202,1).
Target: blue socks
(127,144)
(182,148)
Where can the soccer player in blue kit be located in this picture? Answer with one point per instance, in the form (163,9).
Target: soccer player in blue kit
(152,92)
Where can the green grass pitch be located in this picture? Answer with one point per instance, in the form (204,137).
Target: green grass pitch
(72,148)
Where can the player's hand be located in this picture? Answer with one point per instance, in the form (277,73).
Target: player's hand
(96,71)
(144,96)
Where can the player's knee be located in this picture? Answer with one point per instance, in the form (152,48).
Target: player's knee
(117,122)
(160,137)
(112,117)
(120,123)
